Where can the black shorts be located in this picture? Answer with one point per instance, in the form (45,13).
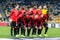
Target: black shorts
(27,23)
(45,24)
(32,24)
(13,24)
(38,25)
(20,24)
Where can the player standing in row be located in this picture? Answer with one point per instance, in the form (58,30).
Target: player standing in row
(45,19)
(21,21)
(39,20)
(33,20)
(28,21)
(13,18)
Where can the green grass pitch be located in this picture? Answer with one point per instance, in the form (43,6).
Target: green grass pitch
(52,32)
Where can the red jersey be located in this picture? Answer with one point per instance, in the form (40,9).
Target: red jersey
(21,13)
(34,12)
(21,16)
(14,15)
(46,16)
(28,15)
(39,12)
(40,20)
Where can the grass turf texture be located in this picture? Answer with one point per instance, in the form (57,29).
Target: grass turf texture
(52,32)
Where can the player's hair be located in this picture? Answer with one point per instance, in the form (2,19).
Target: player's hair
(14,5)
(34,5)
(22,8)
(45,6)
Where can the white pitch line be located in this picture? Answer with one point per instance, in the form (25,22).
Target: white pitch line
(31,39)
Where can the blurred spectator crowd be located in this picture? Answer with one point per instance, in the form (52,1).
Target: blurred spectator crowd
(6,6)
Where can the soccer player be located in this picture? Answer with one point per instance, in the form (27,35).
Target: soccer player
(34,11)
(21,21)
(39,20)
(13,18)
(28,21)
(45,19)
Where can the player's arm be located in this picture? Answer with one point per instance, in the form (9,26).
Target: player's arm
(10,16)
(47,17)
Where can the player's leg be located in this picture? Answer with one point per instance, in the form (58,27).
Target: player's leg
(40,28)
(11,29)
(24,28)
(18,28)
(34,25)
(46,28)
(34,31)
(22,32)
(28,28)
(20,24)
(28,31)
(15,29)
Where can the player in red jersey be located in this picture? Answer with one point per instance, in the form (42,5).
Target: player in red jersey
(39,20)
(34,11)
(13,19)
(21,21)
(28,21)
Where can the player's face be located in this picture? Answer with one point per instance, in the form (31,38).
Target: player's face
(17,6)
(35,7)
(30,9)
(40,7)
(45,7)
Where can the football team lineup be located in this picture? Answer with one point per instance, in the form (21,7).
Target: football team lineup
(33,18)
(52,33)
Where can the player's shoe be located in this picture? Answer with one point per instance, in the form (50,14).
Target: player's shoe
(34,36)
(40,35)
(45,35)
(17,35)
(29,36)
(22,36)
